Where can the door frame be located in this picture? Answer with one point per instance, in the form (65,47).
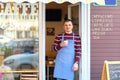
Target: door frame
(85,42)
(42,75)
(84,32)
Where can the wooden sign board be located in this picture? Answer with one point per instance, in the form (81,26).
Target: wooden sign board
(111,70)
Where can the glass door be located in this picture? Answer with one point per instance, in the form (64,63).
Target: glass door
(74,13)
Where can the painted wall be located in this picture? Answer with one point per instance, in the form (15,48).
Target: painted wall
(105,37)
(57,25)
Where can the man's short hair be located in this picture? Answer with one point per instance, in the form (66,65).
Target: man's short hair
(67,20)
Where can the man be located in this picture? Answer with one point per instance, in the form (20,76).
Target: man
(68,49)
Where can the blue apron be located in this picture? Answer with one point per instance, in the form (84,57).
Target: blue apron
(64,61)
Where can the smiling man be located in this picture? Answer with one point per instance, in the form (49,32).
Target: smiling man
(68,47)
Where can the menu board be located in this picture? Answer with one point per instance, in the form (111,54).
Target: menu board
(114,71)
(101,25)
(111,70)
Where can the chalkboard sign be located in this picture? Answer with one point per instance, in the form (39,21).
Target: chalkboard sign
(111,70)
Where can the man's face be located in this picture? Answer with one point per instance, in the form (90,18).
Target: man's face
(68,26)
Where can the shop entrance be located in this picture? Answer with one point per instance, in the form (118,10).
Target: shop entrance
(55,14)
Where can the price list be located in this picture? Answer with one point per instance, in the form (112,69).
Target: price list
(101,25)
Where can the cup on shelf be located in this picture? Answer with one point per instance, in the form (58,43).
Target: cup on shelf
(51,62)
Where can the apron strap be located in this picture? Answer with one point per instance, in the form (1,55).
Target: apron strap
(73,36)
(62,37)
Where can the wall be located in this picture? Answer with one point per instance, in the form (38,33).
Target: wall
(58,25)
(105,37)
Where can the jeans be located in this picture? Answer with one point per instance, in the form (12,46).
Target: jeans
(60,79)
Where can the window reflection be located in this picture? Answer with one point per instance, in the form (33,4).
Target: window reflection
(19,43)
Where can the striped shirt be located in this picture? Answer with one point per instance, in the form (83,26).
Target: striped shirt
(77,44)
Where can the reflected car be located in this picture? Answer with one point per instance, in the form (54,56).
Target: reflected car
(17,46)
(21,43)
(25,60)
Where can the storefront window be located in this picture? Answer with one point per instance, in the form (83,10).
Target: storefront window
(19,41)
